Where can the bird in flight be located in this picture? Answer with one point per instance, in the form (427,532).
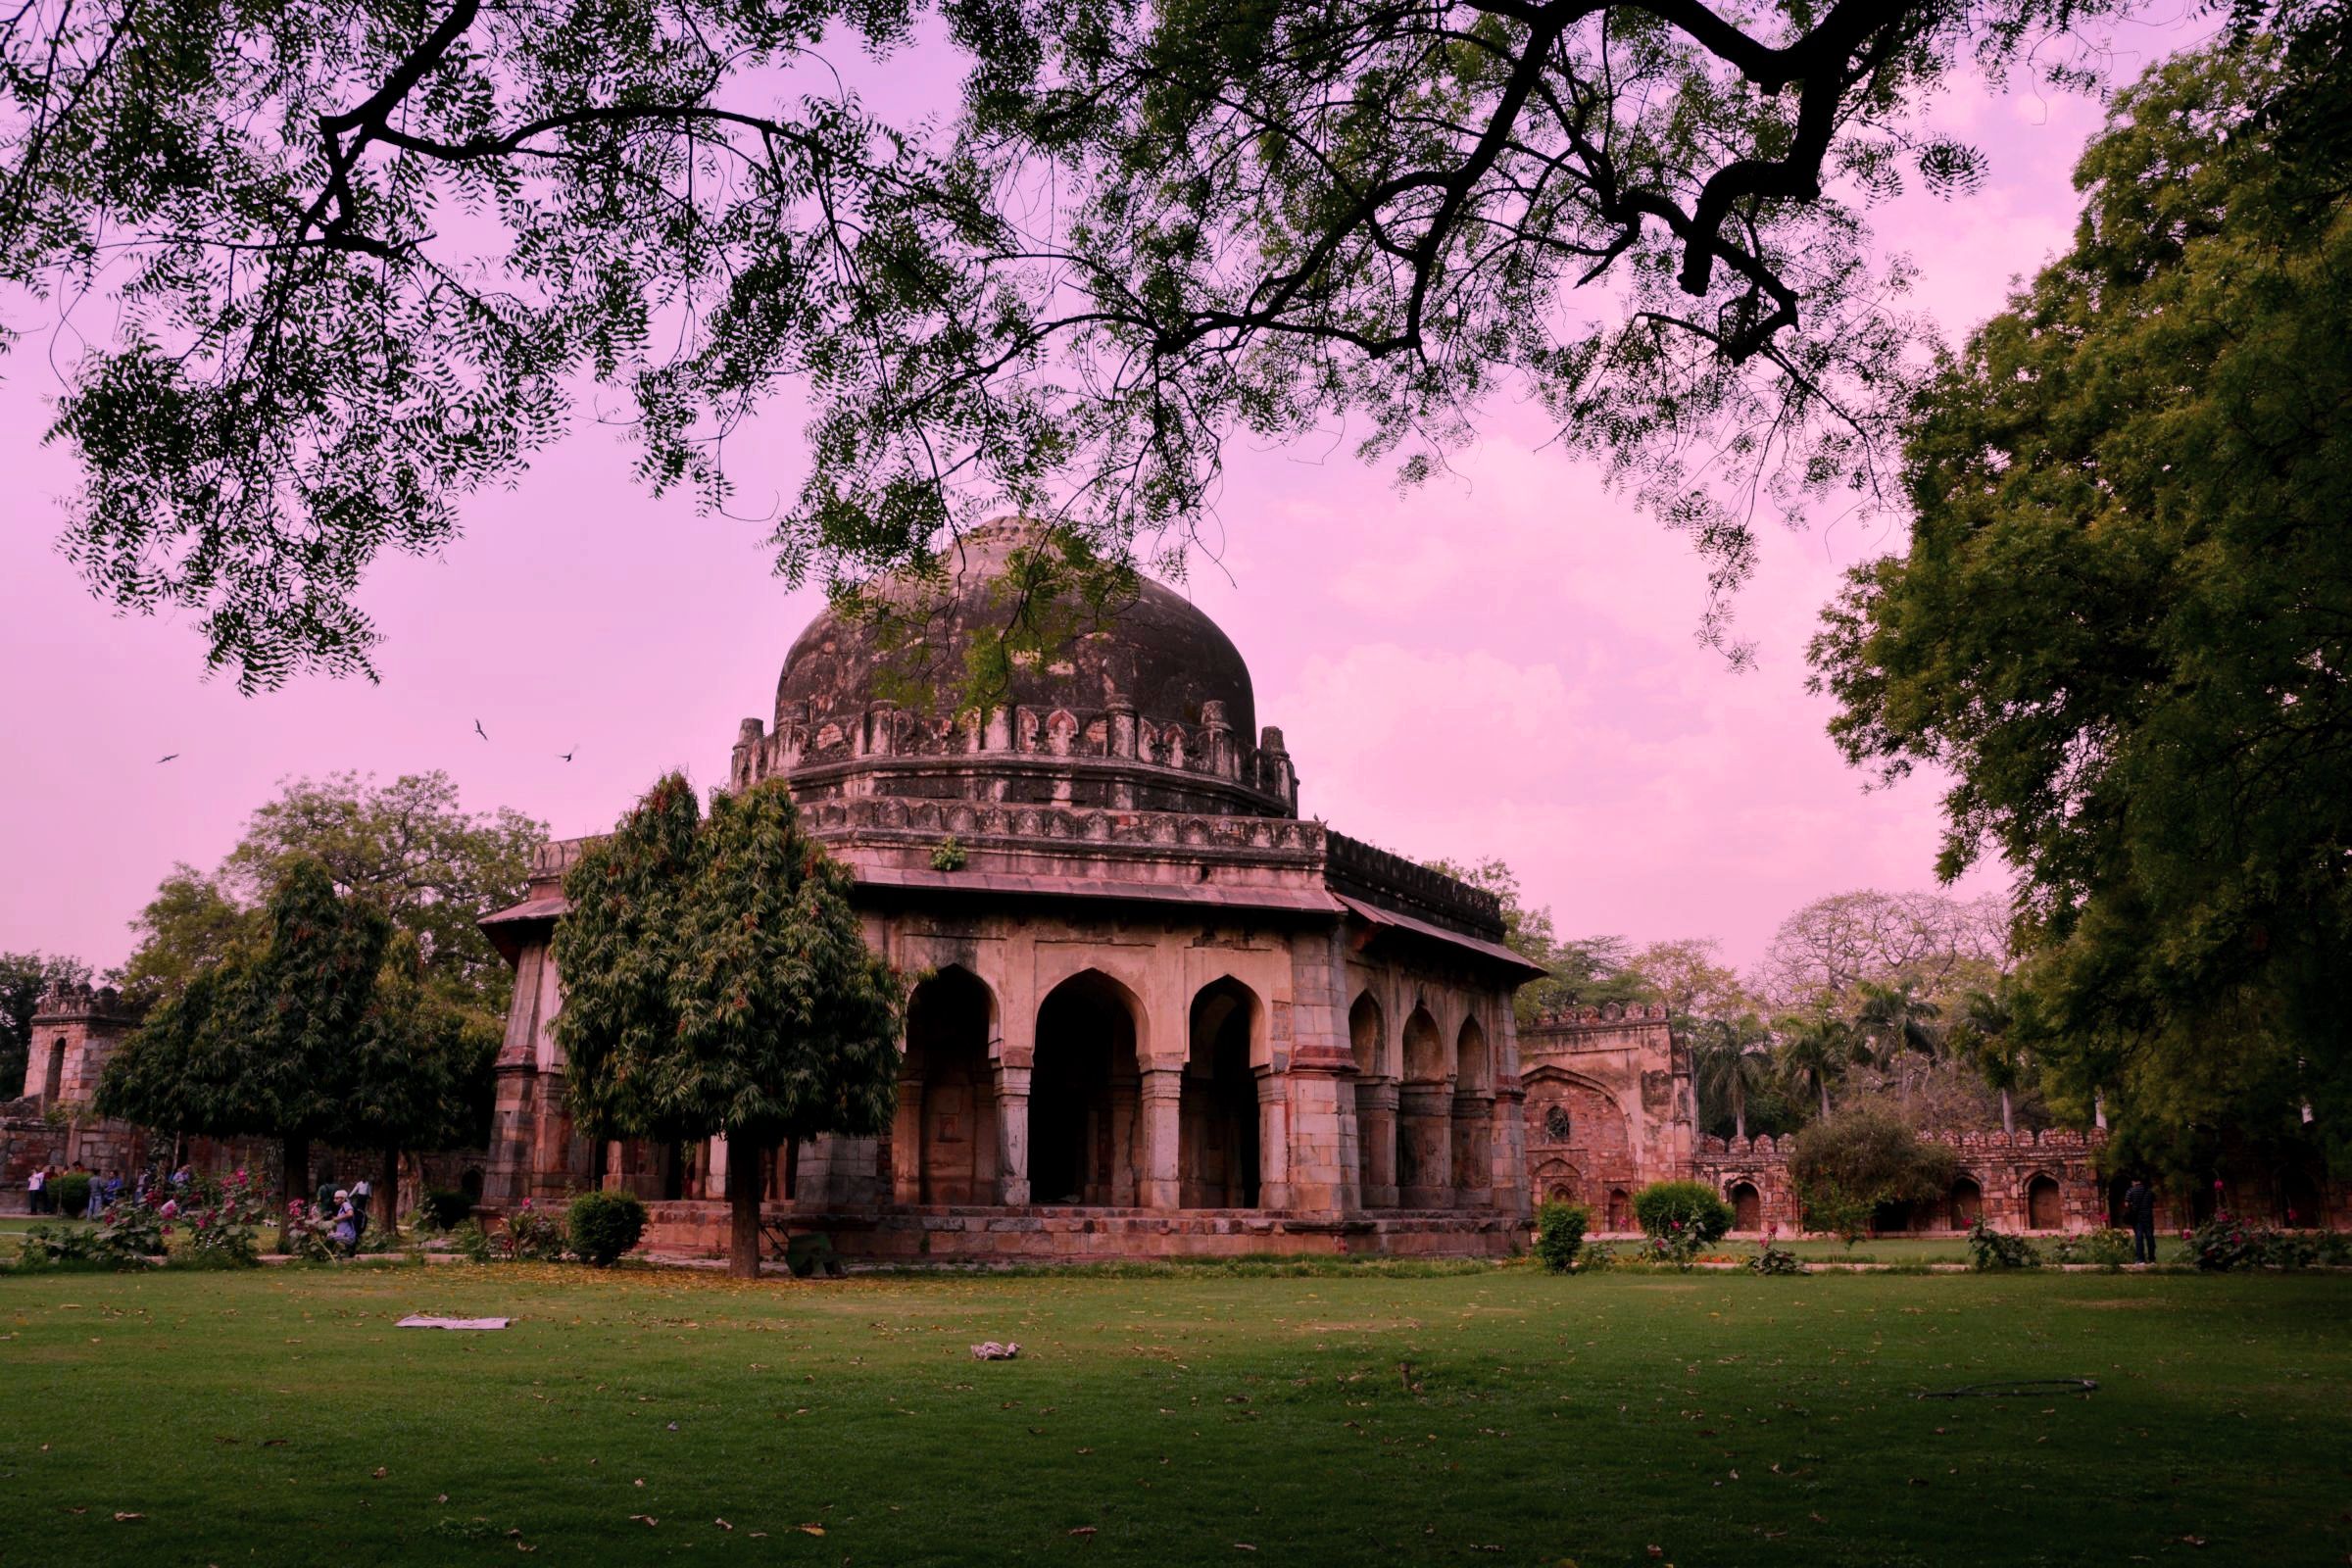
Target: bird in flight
(162,759)
(567,754)
(478,730)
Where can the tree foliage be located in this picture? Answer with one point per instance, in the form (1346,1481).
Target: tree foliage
(1869,1158)
(2120,625)
(353,263)
(716,983)
(262,1044)
(1823,953)
(409,846)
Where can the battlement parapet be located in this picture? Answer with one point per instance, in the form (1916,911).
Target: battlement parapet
(1598,1015)
(1365,871)
(1162,752)
(58,1004)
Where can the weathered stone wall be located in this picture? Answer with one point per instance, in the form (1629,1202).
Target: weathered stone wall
(1609,1108)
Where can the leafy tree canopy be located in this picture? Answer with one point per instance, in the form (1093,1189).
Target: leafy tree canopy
(263,1045)
(24,976)
(354,263)
(1582,970)
(409,846)
(2120,625)
(717,983)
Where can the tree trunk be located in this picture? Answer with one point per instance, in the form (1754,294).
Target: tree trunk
(387,1196)
(1822,1084)
(1738,1109)
(746,1166)
(2008,1117)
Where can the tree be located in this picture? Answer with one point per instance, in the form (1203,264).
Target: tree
(1822,954)
(717,984)
(1985,1037)
(1729,1063)
(1815,1050)
(24,978)
(1897,1022)
(191,925)
(1149,229)
(261,1043)
(1688,976)
(409,845)
(418,1075)
(1859,1161)
(2118,624)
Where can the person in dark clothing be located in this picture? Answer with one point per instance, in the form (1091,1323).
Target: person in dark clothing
(2139,1210)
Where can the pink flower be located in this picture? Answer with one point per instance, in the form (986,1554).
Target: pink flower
(2217,1184)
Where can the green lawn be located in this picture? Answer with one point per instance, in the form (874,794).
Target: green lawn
(277,1416)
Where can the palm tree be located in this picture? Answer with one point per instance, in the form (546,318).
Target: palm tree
(1815,1050)
(1897,1021)
(1728,1067)
(1985,1019)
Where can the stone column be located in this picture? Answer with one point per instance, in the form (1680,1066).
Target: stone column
(1013,1133)
(1473,1160)
(1376,1126)
(1425,1120)
(906,1144)
(1273,1138)
(1508,1146)
(1162,1124)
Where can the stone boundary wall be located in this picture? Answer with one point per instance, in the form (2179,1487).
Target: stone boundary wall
(2045,1183)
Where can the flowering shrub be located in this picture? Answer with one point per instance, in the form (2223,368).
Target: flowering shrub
(1559,1231)
(1990,1249)
(2227,1242)
(2109,1247)
(130,1231)
(532,1236)
(1680,1244)
(1773,1259)
(223,1220)
(309,1233)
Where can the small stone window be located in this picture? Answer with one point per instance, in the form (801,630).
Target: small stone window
(1556,1124)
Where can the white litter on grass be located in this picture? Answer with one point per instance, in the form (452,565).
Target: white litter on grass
(993,1352)
(453,1322)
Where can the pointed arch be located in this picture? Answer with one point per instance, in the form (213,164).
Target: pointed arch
(1083,1093)
(1217,1123)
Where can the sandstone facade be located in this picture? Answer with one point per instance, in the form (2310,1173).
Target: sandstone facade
(1158,1012)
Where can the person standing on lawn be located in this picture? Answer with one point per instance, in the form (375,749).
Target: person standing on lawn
(34,1187)
(2139,1208)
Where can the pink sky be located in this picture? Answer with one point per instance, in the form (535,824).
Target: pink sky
(1501,663)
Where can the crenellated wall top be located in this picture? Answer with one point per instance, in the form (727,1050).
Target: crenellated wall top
(59,1003)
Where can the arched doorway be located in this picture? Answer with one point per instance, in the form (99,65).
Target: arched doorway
(2299,1202)
(1423,1117)
(1748,1207)
(53,1080)
(1217,1138)
(1968,1203)
(1472,1110)
(2043,1210)
(1375,1104)
(1083,1147)
(948,1104)
(1556,1182)
(1621,1210)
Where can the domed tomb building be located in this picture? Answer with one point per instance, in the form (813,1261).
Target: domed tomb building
(1155,1011)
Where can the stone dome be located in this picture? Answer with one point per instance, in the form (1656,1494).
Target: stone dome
(1156,654)
(1147,705)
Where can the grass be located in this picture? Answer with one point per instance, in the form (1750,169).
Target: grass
(277,1416)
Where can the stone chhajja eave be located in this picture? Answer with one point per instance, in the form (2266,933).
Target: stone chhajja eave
(1021,852)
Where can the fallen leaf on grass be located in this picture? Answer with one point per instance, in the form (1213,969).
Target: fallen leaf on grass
(379,1472)
(441,1497)
(722,1524)
(645,1519)
(2186,1540)
(78,1511)
(1084,1530)
(812,1529)
(133,1518)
